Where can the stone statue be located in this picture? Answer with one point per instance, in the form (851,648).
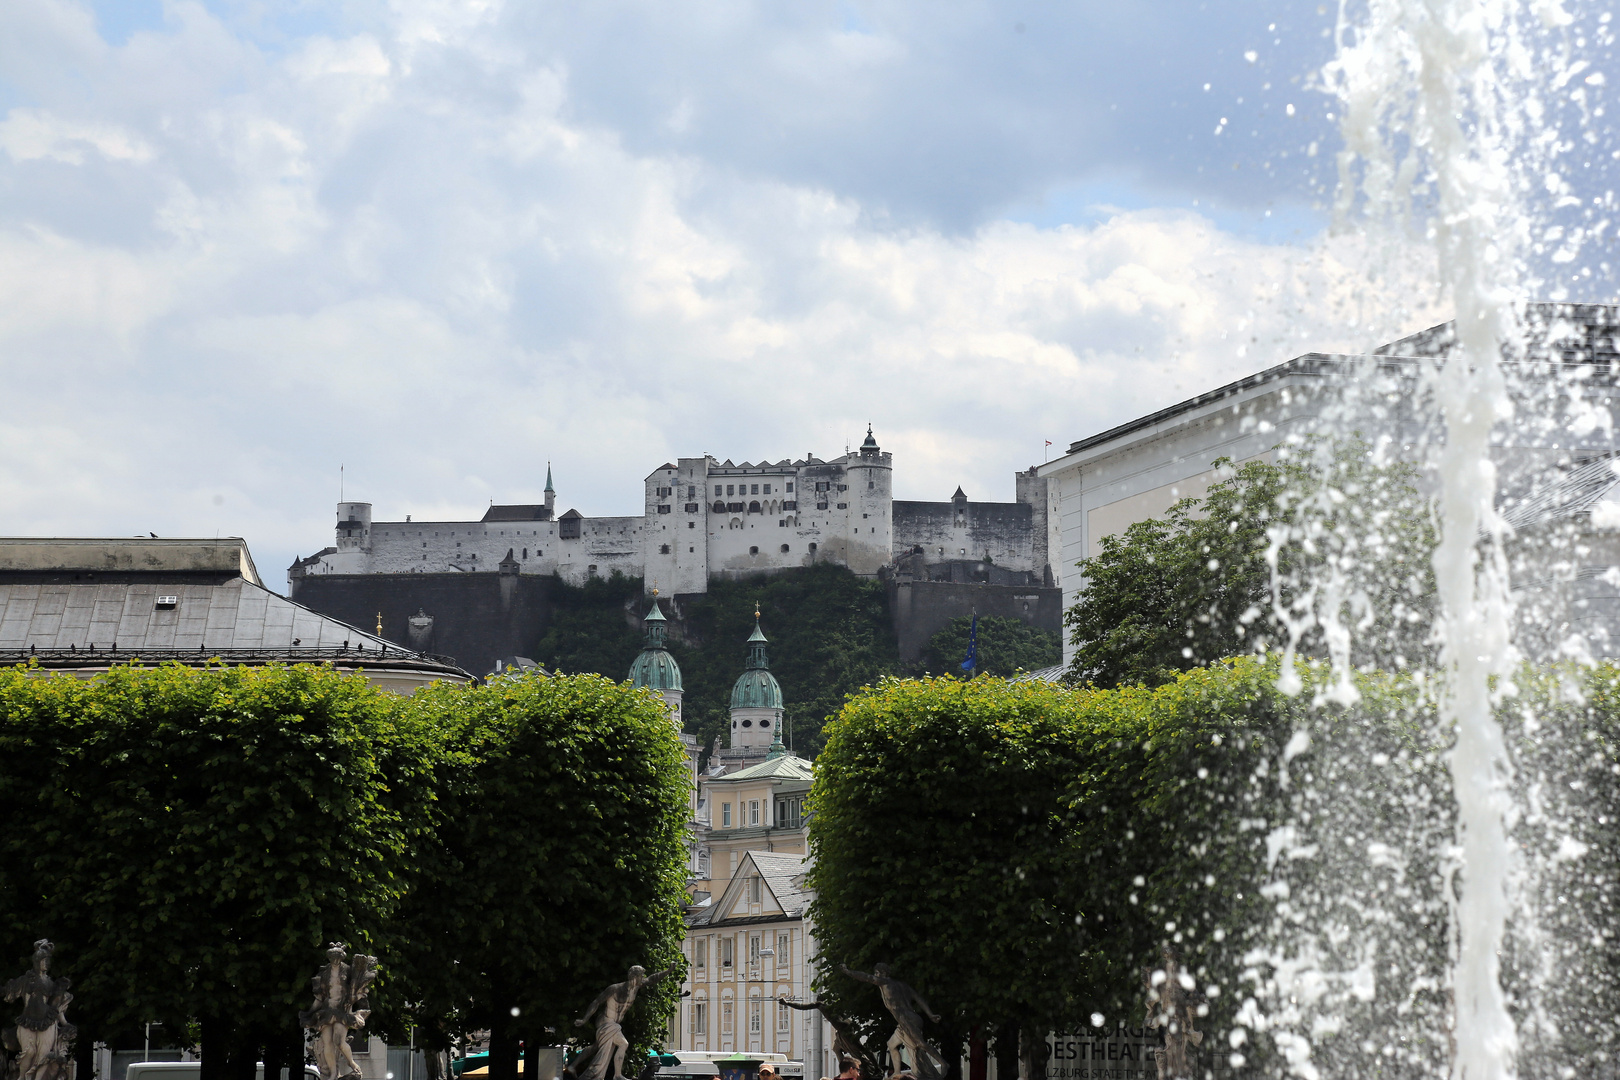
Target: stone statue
(846,1044)
(1170,1006)
(904,1003)
(43,1035)
(340,1005)
(605,1059)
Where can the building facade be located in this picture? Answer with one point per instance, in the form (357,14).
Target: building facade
(748,940)
(1563,381)
(703,520)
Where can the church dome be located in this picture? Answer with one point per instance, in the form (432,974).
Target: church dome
(756,688)
(654,667)
(657,669)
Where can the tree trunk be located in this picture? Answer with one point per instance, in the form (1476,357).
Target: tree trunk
(503,1046)
(284,1049)
(84,1054)
(1007,1051)
(978,1059)
(214,1049)
(533,1050)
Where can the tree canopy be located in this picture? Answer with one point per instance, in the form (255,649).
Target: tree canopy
(1005,646)
(1274,554)
(193,838)
(564,836)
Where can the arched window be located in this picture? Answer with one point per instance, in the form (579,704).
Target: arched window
(753,551)
(753,507)
(719,507)
(736,523)
(784,549)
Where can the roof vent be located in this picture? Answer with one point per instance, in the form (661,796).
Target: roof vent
(167,603)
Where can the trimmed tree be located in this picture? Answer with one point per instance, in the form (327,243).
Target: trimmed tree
(192,839)
(562,859)
(939,839)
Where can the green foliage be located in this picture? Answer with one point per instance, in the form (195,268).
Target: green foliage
(1021,852)
(829,629)
(938,835)
(1272,554)
(565,802)
(1005,647)
(192,839)
(590,629)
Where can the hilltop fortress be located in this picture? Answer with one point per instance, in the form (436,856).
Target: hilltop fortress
(481,590)
(705,519)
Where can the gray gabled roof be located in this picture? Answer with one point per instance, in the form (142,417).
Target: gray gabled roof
(233,615)
(784,876)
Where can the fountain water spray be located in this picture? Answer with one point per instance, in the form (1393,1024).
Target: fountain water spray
(1440,126)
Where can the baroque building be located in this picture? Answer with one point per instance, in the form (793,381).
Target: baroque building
(748,941)
(704,519)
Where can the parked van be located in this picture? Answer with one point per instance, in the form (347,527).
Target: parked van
(191,1070)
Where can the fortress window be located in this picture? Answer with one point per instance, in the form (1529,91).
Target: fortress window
(784,549)
(843,506)
(719,507)
(755,491)
(691,508)
(821,506)
(871,484)
(730,490)
(790,505)
(691,549)
(767,489)
(821,485)
(525,553)
(663,549)
(691,492)
(753,551)
(753,507)
(812,547)
(663,508)
(790,487)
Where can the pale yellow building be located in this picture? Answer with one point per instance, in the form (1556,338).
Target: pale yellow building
(748,946)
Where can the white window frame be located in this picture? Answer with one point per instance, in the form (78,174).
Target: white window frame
(782,1026)
(753,1016)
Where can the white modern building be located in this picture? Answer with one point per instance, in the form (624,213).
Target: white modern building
(1564,382)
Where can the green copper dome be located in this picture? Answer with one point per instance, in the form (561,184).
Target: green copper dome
(654,667)
(756,688)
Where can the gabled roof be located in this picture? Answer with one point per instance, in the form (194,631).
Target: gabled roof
(570,514)
(783,877)
(516,512)
(786,767)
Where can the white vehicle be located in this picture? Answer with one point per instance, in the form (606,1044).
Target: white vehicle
(190,1070)
(701,1063)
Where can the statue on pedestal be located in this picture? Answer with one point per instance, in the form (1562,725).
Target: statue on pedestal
(340,1005)
(1170,1006)
(905,1003)
(604,1060)
(846,1044)
(42,1036)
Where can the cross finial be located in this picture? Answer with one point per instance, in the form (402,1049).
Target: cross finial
(756,611)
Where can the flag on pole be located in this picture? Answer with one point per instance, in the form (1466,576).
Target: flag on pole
(972,659)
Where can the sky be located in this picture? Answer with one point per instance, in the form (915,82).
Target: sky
(250,251)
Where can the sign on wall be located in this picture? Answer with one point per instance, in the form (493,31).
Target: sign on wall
(1121,1054)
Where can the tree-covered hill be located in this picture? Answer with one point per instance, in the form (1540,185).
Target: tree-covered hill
(829,630)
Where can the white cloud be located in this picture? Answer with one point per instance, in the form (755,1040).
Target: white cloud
(404,252)
(34,134)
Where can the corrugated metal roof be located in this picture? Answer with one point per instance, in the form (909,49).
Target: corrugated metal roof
(786,767)
(1576,492)
(233,615)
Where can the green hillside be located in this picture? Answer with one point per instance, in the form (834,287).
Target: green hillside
(830,635)
(829,630)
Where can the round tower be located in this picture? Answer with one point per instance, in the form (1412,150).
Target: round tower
(654,667)
(756,698)
(871,507)
(354,526)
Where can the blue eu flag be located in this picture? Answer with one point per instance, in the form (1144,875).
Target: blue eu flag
(972,660)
